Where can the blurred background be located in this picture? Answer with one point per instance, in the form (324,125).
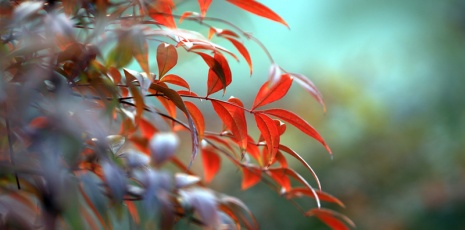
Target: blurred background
(392,74)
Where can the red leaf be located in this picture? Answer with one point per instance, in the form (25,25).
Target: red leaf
(115,74)
(224,32)
(146,128)
(167,57)
(298,122)
(280,177)
(187,93)
(272,92)
(215,83)
(221,141)
(241,48)
(204,4)
(197,116)
(258,9)
(253,150)
(331,218)
(175,80)
(298,157)
(140,50)
(233,117)
(298,177)
(216,67)
(302,191)
(310,87)
(39,122)
(281,159)
(169,106)
(237,210)
(211,163)
(133,211)
(161,12)
(186,15)
(269,132)
(252,175)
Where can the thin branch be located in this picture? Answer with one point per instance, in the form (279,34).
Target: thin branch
(10,145)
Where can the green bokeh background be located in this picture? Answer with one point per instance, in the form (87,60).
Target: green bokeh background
(393,75)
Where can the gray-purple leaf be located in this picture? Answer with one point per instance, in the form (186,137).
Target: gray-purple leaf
(163,146)
(205,203)
(184,180)
(115,179)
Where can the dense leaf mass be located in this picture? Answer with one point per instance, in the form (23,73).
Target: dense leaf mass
(88,138)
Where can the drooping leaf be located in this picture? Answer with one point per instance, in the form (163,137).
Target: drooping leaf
(204,4)
(299,123)
(272,92)
(196,45)
(197,116)
(303,191)
(205,204)
(211,163)
(310,87)
(280,177)
(115,74)
(216,67)
(281,159)
(167,57)
(214,83)
(238,211)
(163,147)
(187,93)
(252,175)
(175,80)
(140,50)
(226,33)
(161,12)
(115,179)
(187,14)
(243,51)
(334,220)
(169,106)
(132,209)
(233,116)
(147,128)
(258,9)
(298,157)
(253,150)
(269,132)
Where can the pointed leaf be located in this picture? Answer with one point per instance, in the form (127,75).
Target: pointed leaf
(204,4)
(233,116)
(167,57)
(205,204)
(182,180)
(214,83)
(175,80)
(253,150)
(331,218)
(211,163)
(238,211)
(161,12)
(216,67)
(281,159)
(187,14)
(280,177)
(269,132)
(299,123)
(197,116)
(243,51)
(272,92)
(310,87)
(298,157)
(252,175)
(258,9)
(302,191)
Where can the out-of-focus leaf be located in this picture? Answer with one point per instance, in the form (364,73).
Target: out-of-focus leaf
(115,74)
(310,87)
(243,51)
(272,92)
(139,101)
(204,4)
(140,50)
(280,177)
(161,12)
(133,211)
(175,80)
(187,93)
(205,203)
(233,116)
(214,83)
(197,116)
(211,163)
(26,9)
(115,142)
(147,128)
(258,9)
(183,180)
(115,179)
(298,157)
(252,175)
(334,220)
(167,57)
(281,159)
(163,147)
(120,55)
(303,191)
(299,123)
(238,211)
(270,133)
(188,14)
(222,141)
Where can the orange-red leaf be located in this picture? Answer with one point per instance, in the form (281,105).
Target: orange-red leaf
(197,116)
(187,93)
(211,163)
(175,80)
(243,51)
(133,211)
(270,133)
(299,123)
(252,175)
(140,50)
(187,14)
(310,87)
(167,57)
(331,218)
(161,12)
(215,83)
(281,159)
(238,211)
(204,4)
(281,178)
(272,92)
(233,117)
(298,157)
(302,191)
(146,128)
(258,9)
(253,150)
(221,141)
(115,74)
(169,106)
